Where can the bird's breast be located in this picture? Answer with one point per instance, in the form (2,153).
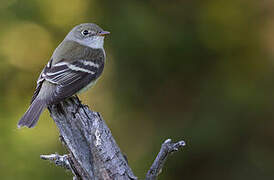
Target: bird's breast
(87,87)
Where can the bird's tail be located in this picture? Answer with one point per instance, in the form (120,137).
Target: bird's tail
(33,113)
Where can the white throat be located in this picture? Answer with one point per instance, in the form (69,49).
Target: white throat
(96,42)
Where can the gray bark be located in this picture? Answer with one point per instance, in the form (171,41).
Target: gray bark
(93,152)
(167,148)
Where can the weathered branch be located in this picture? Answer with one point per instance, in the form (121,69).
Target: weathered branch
(58,160)
(93,152)
(167,148)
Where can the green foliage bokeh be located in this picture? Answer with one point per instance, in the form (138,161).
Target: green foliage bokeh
(201,71)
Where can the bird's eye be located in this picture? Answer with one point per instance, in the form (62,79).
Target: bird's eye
(85,32)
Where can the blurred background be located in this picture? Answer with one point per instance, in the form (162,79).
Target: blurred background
(202,71)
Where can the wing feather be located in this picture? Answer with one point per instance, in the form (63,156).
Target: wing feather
(71,75)
(70,78)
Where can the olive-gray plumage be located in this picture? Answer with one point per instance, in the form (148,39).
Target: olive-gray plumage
(75,65)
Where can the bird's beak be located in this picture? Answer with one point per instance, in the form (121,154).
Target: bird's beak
(103,33)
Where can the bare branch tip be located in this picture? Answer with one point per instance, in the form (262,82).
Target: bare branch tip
(58,160)
(173,146)
(167,141)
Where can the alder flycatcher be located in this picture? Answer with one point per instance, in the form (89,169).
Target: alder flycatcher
(75,66)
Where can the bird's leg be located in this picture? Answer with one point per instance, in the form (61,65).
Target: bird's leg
(80,105)
(78,100)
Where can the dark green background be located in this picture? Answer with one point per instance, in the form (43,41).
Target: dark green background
(201,71)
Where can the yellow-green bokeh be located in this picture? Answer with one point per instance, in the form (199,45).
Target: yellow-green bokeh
(202,71)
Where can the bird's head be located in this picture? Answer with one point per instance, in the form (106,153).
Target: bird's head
(88,34)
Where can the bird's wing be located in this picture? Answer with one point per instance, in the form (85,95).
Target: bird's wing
(70,78)
(40,80)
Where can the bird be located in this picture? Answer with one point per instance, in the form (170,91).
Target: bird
(75,65)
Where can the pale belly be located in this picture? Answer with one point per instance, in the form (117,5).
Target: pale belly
(87,87)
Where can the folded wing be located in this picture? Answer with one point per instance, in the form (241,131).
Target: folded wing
(70,78)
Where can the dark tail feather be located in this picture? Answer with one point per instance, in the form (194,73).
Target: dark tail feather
(32,115)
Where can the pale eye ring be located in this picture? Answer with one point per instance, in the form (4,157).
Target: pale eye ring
(85,32)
